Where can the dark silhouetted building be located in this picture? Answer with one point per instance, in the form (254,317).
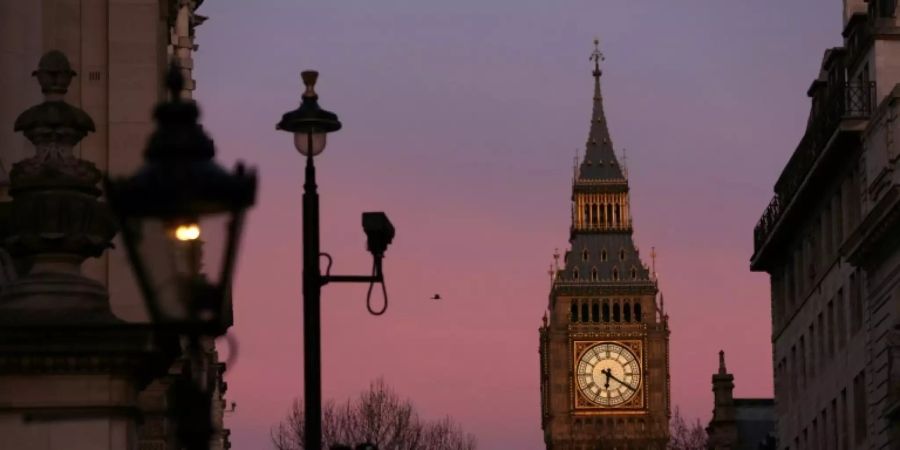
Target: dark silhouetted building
(829,241)
(738,423)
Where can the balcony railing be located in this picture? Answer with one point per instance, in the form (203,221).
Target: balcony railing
(842,102)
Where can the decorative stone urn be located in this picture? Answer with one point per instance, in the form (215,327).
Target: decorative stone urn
(70,371)
(55,220)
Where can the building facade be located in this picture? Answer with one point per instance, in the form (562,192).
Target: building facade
(604,345)
(829,241)
(120,51)
(738,423)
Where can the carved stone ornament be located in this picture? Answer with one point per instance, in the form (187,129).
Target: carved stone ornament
(53,319)
(55,220)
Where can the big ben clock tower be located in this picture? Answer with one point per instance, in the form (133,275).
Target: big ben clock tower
(605,345)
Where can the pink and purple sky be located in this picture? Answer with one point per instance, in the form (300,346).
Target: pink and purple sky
(461,120)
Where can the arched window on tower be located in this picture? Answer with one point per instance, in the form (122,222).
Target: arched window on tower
(616,317)
(617,219)
(603,255)
(621,254)
(606,310)
(634,273)
(594,276)
(575,273)
(615,273)
(637,312)
(587,215)
(609,214)
(584,255)
(626,311)
(574,317)
(595,311)
(584,312)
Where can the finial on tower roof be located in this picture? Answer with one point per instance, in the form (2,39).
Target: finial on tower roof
(597,56)
(653,262)
(722,369)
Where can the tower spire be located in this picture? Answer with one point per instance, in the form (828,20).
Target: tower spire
(600,161)
(597,56)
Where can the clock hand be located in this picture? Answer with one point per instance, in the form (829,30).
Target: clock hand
(606,372)
(610,375)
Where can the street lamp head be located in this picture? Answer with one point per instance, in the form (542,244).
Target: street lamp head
(170,209)
(309,123)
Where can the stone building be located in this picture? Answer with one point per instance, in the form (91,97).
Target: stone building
(604,348)
(120,50)
(738,423)
(829,241)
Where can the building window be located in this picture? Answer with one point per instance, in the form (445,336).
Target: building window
(594,276)
(794,371)
(831,329)
(622,254)
(584,255)
(859,408)
(584,312)
(856,307)
(626,310)
(637,312)
(615,273)
(595,311)
(841,318)
(575,273)
(803,366)
(812,349)
(606,311)
(616,317)
(603,255)
(633,273)
(883,8)
(574,317)
(845,430)
(821,342)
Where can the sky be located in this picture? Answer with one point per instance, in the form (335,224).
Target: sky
(461,120)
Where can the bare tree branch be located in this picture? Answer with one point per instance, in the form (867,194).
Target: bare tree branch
(684,436)
(378,417)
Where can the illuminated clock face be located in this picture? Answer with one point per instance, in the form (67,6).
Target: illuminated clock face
(608,374)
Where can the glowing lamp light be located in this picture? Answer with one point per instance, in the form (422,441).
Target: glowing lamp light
(189,232)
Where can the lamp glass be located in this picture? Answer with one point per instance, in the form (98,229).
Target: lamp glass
(302,142)
(177,255)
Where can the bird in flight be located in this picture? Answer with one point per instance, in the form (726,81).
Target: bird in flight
(436,297)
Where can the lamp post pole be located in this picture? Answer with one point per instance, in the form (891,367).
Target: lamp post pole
(309,123)
(312,291)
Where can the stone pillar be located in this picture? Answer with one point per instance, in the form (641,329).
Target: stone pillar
(722,429)
(70,370)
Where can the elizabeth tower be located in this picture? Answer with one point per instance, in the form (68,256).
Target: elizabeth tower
(605,345)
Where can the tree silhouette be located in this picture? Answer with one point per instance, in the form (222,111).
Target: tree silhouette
(377,417)
(685,436)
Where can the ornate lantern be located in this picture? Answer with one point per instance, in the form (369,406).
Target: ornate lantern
(178,202)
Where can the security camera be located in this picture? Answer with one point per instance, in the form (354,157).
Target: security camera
(379,232)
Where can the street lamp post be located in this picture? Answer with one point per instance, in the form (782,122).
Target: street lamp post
(167,211)
(310,124)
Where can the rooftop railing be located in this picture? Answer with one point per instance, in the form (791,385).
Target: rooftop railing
(843,101)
